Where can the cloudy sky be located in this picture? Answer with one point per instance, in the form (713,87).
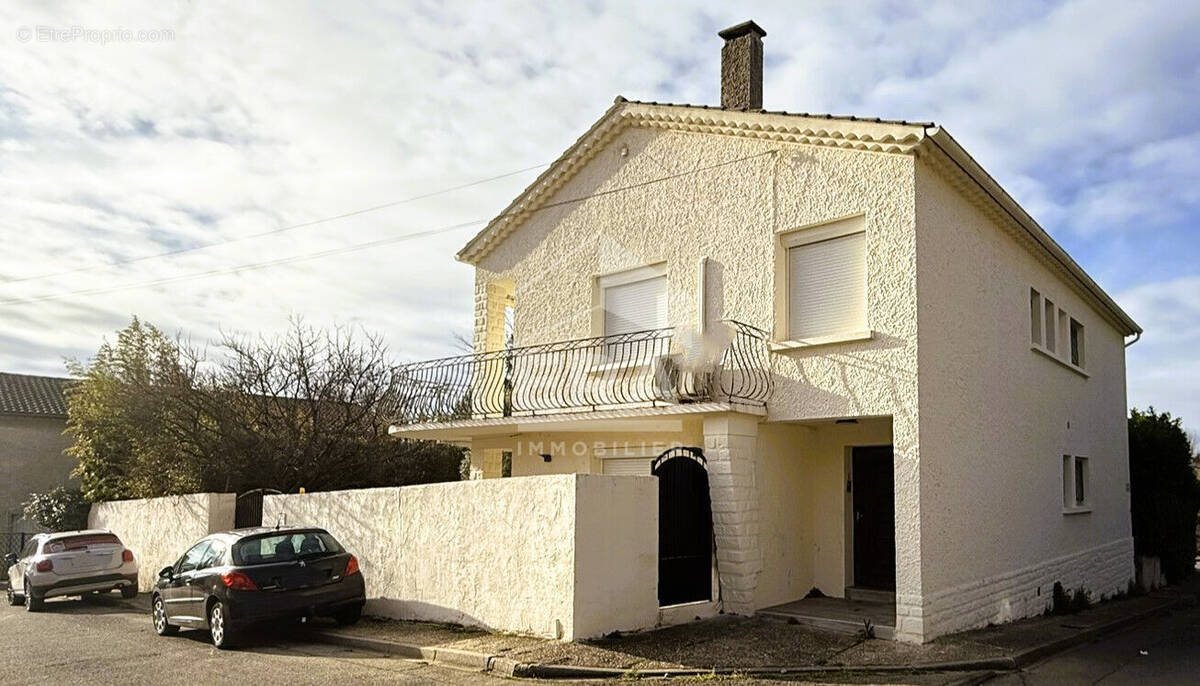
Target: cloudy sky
(206,122)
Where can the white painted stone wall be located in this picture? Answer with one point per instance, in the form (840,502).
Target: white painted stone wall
(160,530)
(564,556)
(996,420)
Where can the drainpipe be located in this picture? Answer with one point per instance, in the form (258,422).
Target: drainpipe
(1136,337)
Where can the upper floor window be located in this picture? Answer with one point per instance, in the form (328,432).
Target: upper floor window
(826,277)
(1055,333)
(634,300)
(1076,333)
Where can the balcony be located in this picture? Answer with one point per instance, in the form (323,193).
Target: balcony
(644,369)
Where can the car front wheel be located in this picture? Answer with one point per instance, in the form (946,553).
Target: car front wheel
(158,612)
(32,602)
(219,627)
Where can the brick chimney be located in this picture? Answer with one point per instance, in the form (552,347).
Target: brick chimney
(742,67)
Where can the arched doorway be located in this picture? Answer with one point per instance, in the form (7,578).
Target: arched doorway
(685,530)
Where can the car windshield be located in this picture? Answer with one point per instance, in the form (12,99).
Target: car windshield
(81,542)
(283,547)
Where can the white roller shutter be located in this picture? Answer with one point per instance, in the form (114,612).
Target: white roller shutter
(827,287)
(637,306)
(627,466)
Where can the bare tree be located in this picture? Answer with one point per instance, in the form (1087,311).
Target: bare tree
(309,408)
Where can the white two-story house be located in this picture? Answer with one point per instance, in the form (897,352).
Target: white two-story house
(900,389)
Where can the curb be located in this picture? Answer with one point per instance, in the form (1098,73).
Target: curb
(447,656)
(504,666)
(1031,655)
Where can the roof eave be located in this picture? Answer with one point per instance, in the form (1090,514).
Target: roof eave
(946,144)
(469,253)
(527,201)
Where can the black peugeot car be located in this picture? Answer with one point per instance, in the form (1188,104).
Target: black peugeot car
(234,579)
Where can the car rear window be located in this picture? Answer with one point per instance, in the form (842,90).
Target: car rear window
(283,547)
(81,542)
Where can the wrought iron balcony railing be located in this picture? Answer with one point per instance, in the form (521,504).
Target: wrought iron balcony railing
(645,368)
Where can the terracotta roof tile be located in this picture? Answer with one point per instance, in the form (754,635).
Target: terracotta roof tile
(810,115)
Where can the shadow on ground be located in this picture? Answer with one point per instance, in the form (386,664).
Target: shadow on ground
(104,604)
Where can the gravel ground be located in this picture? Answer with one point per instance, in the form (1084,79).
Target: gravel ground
(416,633)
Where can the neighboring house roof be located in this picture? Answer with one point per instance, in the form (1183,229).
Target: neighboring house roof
(923,139)
(38,396)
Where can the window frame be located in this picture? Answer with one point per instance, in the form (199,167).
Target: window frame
(1036,332)
(1076,345)
(808,235)
(1076,479)
(1052,332)
(623,277)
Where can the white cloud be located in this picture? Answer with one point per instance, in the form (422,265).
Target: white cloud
(1164,366)
(262,115)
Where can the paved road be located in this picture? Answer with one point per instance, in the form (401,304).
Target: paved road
(106,641)
(1164,650)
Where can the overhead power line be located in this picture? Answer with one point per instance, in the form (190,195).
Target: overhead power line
(369,244)
(282,229)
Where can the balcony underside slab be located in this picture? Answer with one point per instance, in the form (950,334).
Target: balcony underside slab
(464,430)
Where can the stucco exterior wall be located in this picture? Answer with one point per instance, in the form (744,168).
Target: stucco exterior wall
(807,538)
(583,452)
(31,461)
(733,216)
(159,530)
(996,420)
(730,215)
(564,556)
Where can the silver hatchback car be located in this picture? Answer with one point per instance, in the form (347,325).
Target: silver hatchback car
(70,563)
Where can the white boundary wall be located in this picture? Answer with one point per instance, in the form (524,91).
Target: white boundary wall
(564,556)
(159,530)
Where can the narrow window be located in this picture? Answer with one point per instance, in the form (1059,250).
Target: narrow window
(1035,316)
(827,287)
(1080,481)
(1051,327)
(1076,473)
(1076,343)
(1063,333)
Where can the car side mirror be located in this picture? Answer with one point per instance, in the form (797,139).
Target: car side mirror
(166,573)
(10,559)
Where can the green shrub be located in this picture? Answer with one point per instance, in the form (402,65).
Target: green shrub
(1060,600)
(1064,602)
(1081,599)
(1164,491)
(59,509)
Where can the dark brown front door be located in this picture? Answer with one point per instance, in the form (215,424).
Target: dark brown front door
(874,518)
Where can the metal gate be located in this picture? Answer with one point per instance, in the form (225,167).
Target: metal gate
(250,506)
(685,531)
(12,542)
